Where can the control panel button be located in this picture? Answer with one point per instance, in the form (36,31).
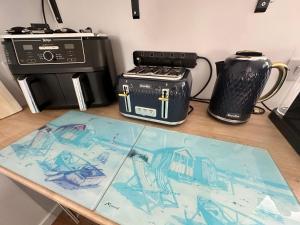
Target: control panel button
(143,111)
(52,51)
(48,56)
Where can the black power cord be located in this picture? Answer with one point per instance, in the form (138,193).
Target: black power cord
(267,107)
(43,10)
(194,97)
(191,109)
(200,100)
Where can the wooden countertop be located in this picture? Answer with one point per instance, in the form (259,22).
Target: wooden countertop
(258,132)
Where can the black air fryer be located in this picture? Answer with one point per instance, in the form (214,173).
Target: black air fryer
(62,70)
(240,82)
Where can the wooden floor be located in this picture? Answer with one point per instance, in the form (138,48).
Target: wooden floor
(64,219)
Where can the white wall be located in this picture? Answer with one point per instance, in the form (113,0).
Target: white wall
(212,28)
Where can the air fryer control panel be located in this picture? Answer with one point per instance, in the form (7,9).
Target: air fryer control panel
(49,50)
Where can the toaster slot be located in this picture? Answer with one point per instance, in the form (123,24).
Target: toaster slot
(126,97)
(164,103)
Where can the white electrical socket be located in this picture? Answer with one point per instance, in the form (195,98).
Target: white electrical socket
(294,69)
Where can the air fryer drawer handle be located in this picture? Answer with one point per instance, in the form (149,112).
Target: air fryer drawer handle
(79,93)
(24,83)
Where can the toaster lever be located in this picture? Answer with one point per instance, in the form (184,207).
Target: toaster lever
(126,96)
(164,103)
(123,94)
(163,99)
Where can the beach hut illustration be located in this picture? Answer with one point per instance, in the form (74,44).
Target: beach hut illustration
(183,167)
(74,134)
(150,185)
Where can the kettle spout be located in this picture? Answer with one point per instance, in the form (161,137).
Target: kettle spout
(220,67)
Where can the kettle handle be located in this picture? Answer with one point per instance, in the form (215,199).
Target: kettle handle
(283,70)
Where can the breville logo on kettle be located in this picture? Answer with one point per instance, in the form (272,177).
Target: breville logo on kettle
(233,115)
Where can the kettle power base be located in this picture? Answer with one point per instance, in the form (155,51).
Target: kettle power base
(287,129)
(225,120)
(134,174)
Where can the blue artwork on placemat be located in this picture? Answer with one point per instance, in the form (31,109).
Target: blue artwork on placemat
(175,178)
(76,155)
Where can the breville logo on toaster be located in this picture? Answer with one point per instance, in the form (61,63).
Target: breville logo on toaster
(46,40)
(145,86)
(231,115)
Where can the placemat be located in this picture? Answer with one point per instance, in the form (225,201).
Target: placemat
(176,178)
(134,174)
(76,155)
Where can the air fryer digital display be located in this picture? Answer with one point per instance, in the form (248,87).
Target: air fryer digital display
(27,47)
(69,46)
(49,51)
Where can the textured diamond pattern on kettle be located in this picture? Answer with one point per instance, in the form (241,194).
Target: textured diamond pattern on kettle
(237,93)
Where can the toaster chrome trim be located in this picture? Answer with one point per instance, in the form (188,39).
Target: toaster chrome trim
(153,120)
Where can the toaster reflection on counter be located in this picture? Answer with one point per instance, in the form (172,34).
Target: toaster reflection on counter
(156,100)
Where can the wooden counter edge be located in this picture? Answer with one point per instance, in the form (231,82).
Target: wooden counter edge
(89,214)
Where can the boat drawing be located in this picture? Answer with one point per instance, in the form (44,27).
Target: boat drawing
(71,171)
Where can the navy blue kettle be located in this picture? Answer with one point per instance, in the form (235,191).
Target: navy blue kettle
(241,79)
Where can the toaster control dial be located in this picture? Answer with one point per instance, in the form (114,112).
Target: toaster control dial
(48,56)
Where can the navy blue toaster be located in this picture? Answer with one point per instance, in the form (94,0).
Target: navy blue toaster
(158,89)
(158,97)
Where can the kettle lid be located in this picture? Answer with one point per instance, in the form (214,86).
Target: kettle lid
(249,53)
